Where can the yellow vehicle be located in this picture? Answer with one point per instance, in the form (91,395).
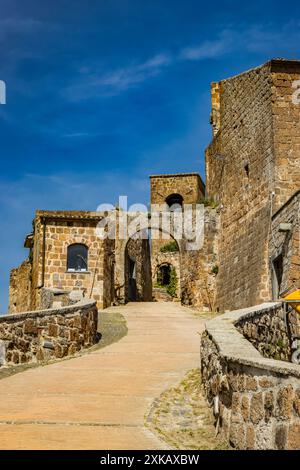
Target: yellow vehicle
(293,299)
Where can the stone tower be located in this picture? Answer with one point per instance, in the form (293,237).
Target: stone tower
(169,191)
(252,168)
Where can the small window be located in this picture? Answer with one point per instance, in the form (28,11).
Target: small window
(77,257)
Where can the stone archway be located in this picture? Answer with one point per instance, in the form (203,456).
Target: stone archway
(124,268)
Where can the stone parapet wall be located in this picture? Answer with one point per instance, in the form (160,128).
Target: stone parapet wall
(256,399)
(48,334)
(271,331)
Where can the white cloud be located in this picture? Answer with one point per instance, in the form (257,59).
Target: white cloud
(93,84)
(261,39)
(210,49)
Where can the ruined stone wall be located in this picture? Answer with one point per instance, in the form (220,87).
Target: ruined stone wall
(287,244)
(42,335)
(256,399)
(53,234)
(20,288)
(200,267)
(239,165)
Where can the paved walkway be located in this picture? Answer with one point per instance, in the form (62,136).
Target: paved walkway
(99,400)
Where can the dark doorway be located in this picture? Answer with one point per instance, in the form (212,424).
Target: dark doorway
(277,276)
(164,275)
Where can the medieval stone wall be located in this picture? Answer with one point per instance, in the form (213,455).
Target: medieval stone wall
(42,335)
(252,168)
(200,267)
(20,288)
(239,175)
(256,400)
(286,129)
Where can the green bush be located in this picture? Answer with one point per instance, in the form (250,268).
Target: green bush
(170,247)
(172,286)
(209,202)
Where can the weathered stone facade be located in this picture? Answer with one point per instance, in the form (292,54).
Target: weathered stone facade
(255,152)
(54,232)
(255,399)
(48,334)
(20,288)
(200,267)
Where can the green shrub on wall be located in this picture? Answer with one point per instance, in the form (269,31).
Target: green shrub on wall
(170,247)
(172,286)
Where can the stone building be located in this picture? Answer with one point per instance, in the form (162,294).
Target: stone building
(252,169)
(65,256)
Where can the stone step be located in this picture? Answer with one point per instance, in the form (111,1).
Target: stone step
(161,295)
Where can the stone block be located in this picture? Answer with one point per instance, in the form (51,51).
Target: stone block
(256,408)
(53,330)
(297,401)
(250,384)
(245,408)
(250,437)
(285,402)
(269,404)
(294,437)
(265,382)
(281,436)
(237,435)
(30,326)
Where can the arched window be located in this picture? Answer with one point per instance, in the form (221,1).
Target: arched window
(77,259)
(174,201)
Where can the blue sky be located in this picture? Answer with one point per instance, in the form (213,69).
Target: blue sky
(102,93)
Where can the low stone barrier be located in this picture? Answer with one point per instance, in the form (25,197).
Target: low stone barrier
(48,334)
(256,400)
